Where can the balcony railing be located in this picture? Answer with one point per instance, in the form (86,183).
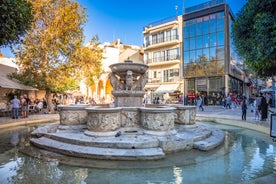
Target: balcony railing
(161,40)
(163,59)
(160,79)
(203,6)
(160,22)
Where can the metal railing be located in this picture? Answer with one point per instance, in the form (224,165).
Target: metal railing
(160,22)
(203,6)
(163,59)
(161,40)
(160,79)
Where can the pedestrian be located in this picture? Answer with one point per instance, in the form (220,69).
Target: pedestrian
(15,107)
(263,107)
(45,111)
(199,103)
(256,105)
(244,108)
(24,106)
(28,102)
(228,102)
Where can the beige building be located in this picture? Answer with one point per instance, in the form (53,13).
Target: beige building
(162,53)
(112,53)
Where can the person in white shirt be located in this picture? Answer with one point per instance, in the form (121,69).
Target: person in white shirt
(15,106)
(39,106)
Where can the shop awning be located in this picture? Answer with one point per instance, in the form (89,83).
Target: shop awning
(151,86)
(7,83)
(167,88)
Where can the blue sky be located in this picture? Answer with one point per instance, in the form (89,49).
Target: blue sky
(125,19)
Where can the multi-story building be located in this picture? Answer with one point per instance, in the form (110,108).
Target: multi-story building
(206,60)
(162,53)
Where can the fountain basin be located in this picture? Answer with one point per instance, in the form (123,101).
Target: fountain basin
(73,114)
(122,68)
(157,119)
(184,114)
(103,119)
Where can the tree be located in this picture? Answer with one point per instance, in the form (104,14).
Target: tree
(52,56)
(15,20)
(254,35)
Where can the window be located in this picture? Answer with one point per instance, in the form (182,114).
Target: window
(160,37)
(205,27)
(213,26)
(192,30)
(173,34)
(206,41)
(213,39)
(186,44)
(154,39)
(186,57)
(221,38)
(220,24)
(199,42)
(192,43)
(165,76)
(199,27)
(186,31)
(206,53)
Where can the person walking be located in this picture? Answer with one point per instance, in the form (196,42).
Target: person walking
(244,108)
(256,105)
(15,107)
(199,103)
(263,107)
(228,102)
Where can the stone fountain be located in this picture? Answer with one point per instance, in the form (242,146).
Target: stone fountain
(128,131)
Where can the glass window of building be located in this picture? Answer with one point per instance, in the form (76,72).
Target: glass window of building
(204,38)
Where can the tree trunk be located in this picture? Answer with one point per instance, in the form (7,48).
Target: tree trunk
(50,105)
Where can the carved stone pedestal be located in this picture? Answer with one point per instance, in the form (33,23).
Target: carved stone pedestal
(158,120)
(103,119)
(73,114)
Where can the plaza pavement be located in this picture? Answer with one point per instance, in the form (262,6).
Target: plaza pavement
(210,113)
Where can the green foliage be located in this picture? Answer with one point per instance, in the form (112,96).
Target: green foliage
(52,50)
(254,35)
(87,62)
(15,19)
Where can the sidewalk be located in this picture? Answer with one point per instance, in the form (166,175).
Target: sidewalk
(32,118)
(234,117)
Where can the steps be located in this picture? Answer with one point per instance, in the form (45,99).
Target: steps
(97,152)
(216,138)
(136,145)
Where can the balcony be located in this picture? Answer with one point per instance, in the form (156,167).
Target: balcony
(171,59)
(161,22)
(161,80)
(161,42)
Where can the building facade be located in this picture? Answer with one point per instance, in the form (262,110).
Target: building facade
(113,52)
(206,60)
(162,53)
(210,63)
